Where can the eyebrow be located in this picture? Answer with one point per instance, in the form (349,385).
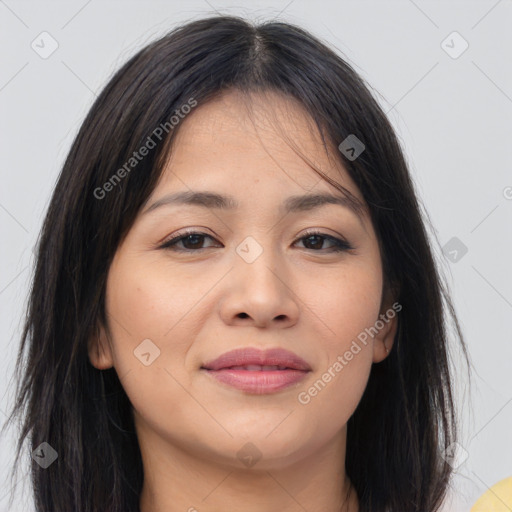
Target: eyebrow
(291,204)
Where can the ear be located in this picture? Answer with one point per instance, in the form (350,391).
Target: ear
(387,325)
(100,350)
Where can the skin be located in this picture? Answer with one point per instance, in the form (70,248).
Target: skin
(298,295)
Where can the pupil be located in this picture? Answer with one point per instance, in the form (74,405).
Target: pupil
(318,240)
(192,240)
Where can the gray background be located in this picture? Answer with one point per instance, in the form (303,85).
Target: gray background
(453,116)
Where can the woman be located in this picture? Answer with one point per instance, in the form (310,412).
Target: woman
(235,304)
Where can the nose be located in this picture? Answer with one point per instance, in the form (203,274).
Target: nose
(259,294)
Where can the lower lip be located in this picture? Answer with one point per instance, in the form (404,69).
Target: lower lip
(258,382)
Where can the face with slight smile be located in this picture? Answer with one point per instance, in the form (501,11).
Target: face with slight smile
(252,276)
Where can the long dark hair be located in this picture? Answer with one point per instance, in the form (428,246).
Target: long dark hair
(406,416)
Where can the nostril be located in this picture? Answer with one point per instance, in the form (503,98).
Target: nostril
(242,315)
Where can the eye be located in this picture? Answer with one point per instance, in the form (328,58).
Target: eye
(316,238)
(192,241)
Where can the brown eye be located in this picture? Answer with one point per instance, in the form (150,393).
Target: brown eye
(189,242)
(315,241)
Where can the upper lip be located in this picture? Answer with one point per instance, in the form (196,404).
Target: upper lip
(254,356)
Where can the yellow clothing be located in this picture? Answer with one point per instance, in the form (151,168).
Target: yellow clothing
(496,499)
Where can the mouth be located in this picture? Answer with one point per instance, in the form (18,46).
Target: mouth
(257,368)
(258,372)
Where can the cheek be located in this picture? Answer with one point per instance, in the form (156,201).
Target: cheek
(348,303)
(139,313)
(146,300)
(148,313)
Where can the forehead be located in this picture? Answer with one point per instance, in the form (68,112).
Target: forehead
(253,138)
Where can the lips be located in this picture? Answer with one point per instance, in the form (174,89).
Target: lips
(258,372)
(252,359)
(258,367)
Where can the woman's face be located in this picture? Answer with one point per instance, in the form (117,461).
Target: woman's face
(252,278)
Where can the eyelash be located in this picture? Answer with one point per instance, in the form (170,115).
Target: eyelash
(339,244)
